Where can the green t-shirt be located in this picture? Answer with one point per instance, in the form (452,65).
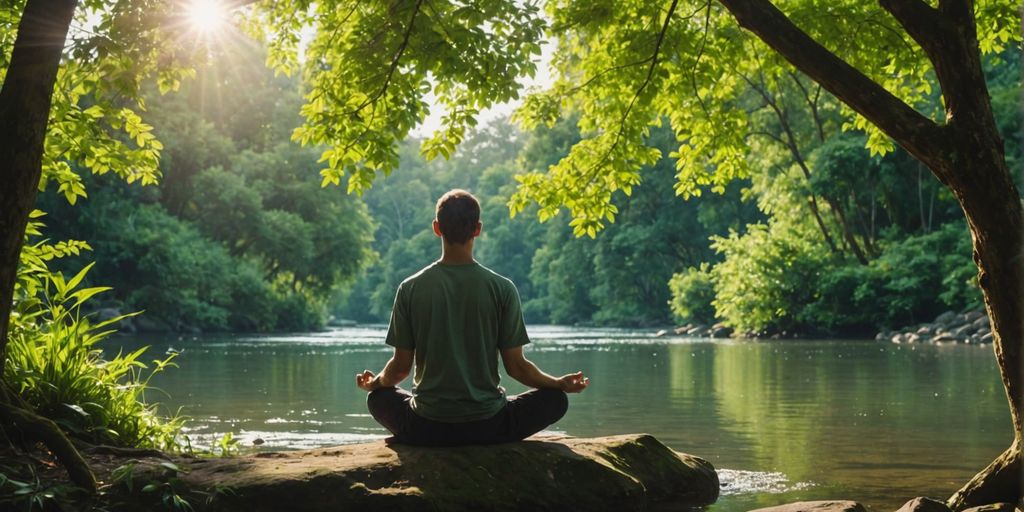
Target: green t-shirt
(456,317)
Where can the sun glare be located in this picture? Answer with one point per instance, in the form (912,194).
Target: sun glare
(206,15)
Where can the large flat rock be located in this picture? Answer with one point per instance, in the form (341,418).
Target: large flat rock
(626,472)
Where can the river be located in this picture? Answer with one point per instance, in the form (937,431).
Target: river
(781,420)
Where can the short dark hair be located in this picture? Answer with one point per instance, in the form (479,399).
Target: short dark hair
(458,213)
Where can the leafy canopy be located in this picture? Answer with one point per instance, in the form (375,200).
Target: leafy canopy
(370,67)
(624,66)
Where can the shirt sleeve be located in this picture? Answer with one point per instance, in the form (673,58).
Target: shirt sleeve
(400,328)
(512,329)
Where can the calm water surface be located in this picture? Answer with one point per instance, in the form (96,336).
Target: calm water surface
(782,421)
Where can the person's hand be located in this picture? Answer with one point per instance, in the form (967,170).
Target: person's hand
(366,381)
(573,382)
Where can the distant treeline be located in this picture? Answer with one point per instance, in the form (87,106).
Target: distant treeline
(823,238)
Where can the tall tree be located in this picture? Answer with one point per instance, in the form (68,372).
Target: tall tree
(24,113)
(623,65)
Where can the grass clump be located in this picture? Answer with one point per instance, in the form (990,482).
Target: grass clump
(54,361)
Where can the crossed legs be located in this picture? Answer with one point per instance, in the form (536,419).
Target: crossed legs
(524,415)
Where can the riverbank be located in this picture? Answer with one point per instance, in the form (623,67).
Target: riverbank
(971,327)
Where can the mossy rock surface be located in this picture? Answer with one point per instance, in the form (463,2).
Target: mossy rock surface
(816,506)
(625,472)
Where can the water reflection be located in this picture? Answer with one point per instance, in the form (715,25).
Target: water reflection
(790,420)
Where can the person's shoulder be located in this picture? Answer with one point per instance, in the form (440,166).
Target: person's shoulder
(418,276)
(497,278)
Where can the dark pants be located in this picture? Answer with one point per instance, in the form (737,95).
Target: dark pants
(523,415)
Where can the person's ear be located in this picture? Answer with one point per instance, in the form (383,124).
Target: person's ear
(479,226)
(437,229)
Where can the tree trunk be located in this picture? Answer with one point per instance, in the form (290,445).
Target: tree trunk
(813,203)
(993,483)
(24,112)
(844,225)
(982,184)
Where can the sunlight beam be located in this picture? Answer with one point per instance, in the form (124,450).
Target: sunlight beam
(206,16)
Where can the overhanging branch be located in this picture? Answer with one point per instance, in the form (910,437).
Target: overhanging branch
(909,128)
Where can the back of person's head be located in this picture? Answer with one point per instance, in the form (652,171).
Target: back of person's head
(458,213)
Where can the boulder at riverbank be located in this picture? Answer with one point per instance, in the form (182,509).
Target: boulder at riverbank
(626,472)
(923,504)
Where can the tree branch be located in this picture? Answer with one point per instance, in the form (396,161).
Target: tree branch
(654,60)
(791,144)
(909,128)
(926,25)
(812,103)
(393,66)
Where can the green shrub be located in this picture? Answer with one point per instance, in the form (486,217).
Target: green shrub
(692,294)
(913,280)
(844,300)
(252,306)
(55,363)
(295,312)
(767,276)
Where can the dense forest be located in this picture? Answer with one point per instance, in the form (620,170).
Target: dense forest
(824,238)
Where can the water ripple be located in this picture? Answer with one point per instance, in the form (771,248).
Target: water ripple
(738,481)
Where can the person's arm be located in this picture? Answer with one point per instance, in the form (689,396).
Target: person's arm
(523,370)
(394,372)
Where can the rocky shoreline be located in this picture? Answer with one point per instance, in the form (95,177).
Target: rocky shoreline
(718,330)
(971,327)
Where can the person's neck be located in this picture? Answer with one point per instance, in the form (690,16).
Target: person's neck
(457,254)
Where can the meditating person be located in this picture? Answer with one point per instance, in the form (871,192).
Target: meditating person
(454,318)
